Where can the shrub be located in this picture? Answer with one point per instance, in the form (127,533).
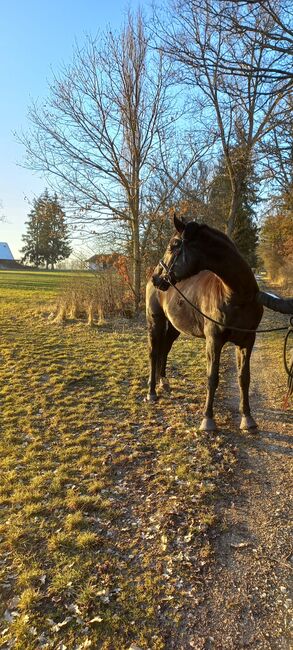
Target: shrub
(96,297)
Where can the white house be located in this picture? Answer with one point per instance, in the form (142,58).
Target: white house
(5,252)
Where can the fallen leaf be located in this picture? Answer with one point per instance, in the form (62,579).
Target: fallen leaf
(86,644)
(74,609)
(13,602)
(240,545)
(164,540)
(10,616)
(59,626)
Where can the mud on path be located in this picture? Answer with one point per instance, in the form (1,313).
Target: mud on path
(248,599)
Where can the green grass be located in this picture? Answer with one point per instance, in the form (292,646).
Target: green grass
(105,501)
(34,290)
(33,281)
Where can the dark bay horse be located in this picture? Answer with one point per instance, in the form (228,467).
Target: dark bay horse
(209,270)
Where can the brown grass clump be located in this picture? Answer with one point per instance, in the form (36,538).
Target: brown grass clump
(95,298)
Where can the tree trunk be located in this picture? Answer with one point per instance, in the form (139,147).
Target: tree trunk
(237,183)
(232,212)
(136,265)
(135,214)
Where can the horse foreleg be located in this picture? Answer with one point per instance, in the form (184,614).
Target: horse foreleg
(169,338)
(213,353)
(157,328)
(243,355)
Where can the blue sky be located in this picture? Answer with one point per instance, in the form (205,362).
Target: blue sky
(36,37)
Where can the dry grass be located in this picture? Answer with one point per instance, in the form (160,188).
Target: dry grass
(283,280)
(96,297)
(106,501)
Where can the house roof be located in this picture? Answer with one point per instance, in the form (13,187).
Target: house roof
(11,265)
(5,252)
(103,257)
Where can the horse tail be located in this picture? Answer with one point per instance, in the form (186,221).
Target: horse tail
(269,300)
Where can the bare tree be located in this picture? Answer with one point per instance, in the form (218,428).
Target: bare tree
(278,14)
(277,160)
(99,134)
(227,74)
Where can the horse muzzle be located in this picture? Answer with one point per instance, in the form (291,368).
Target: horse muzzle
(160,282)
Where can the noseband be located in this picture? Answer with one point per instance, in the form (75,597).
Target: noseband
(169,275)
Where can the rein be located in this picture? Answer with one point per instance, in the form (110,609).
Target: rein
(289,329)
(168,278)
(289,369)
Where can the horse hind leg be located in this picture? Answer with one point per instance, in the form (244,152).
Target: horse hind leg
(213,352)
(243,363)
(170,336)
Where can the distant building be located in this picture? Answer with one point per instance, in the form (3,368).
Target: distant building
(7,261)
(5,252)
(102,262)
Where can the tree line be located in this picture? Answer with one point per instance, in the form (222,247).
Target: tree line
(188,110)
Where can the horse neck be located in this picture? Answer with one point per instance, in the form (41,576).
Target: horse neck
(227,263)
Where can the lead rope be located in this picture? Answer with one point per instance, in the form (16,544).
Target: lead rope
(168,278)
(288,369)
(237,329)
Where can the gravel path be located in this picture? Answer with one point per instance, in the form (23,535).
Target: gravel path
(248,600)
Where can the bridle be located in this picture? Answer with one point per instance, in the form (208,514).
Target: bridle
(171,279)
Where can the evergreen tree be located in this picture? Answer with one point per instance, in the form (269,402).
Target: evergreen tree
(46,240)
(32,249)
(245,230)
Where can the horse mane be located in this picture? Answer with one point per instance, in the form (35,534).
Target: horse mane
(213,292)
(219,234)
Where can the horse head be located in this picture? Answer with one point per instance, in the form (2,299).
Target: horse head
(182,257)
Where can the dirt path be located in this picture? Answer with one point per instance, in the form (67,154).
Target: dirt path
(248,603)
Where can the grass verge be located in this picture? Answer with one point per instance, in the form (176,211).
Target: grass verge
(106,502)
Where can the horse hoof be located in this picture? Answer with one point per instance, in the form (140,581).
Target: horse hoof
(151,397)
(248,424)
(164,385)
(208,424)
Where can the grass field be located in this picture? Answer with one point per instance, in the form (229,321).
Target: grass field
(106,501)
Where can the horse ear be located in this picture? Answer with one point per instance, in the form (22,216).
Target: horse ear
(179,225)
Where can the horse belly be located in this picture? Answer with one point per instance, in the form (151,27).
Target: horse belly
(184,318)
